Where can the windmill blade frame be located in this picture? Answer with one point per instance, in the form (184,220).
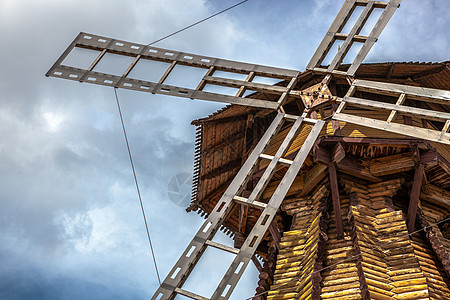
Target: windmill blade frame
(335,33)
(403,93)
(103,45)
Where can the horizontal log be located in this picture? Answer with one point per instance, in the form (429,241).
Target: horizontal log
(409,282)
(353,166)
(341,293)
(392,164)
(413,295)
(436,196)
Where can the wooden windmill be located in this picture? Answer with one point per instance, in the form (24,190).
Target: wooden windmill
(365,251)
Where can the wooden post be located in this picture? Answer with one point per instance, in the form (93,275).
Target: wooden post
(257,263)
(336,201)
(276,235)
(414,197)
(335,124)
(243,211)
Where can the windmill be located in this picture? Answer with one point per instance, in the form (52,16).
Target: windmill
(310,114)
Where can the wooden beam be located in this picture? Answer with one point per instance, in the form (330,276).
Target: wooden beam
(375,141)
(418,132)
(392,164)
(234,164)
(337,153)
(276,235)
(336,201)
(429,158)
(414,197)
(321,154)
(243,89)
(335,124)
(257,264)
(243,213)
(412,92)
(313,177)
(390,71)
(436,196)
(352,166)
(393,113)
(407,120)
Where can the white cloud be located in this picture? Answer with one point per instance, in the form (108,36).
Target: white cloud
(54,120)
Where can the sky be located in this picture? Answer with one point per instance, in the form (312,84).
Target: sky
(71,225)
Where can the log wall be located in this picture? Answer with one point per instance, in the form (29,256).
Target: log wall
(302,248)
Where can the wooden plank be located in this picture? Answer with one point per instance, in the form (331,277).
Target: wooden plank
(404,110)
(412,92)
(271,89)
(352,166)
(243,213)
(222,247)
(202,83)
(257,263)
(120,47)
(436,196)
(167,72)
(422,133)
(276,235)
(189,294)
(242,89)
(414,197)
(313,177)
(357,38)
(339,22)
(446,125)
(345,47)
(374,34)
(377,4)
(392,164)
(105,79)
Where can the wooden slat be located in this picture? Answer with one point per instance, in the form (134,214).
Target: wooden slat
(356,38)
(222,247)
(345,47)
(393,113)
(242,89)
(189,294)
(339,22)
(405,110)
(241,83)
(422,133)
(412,92)
(75,74)
(386,15)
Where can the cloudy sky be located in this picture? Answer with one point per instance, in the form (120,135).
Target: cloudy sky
(71,226)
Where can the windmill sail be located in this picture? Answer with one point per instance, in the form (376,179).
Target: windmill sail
(335,33)
(102,45)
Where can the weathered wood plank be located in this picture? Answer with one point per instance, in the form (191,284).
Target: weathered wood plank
(422,133)
(412,92)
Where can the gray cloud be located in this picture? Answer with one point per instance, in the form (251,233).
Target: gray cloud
(70,217)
